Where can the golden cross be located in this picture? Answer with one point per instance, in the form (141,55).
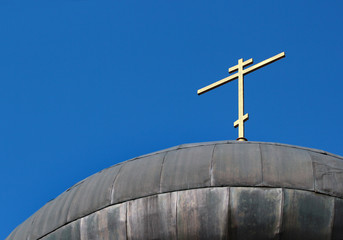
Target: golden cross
(240,75)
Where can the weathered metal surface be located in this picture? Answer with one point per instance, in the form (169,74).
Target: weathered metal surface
(207,169)
(210,213)
(138,178)
(109,224)
(201,144)
(285,167)
(203,214)
(23,231)
(255,213)
(337,228)
(70,231)
(93,194)
(152,217)
(54,213)
(237,165)
(44,217)
(13,233)
(307,215)
(179,171)
(328,174)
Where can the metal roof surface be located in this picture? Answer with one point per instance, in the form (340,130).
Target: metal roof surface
(190,166)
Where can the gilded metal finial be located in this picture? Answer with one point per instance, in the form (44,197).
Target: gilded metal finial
(240,75)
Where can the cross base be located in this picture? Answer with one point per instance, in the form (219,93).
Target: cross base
(241,139)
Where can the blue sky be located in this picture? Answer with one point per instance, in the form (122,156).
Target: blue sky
(88,84)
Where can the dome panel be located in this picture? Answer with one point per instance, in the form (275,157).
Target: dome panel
(337,231)
(187,168)
(109,223)
(85,202)
(255,212)
(285,168)
(24,230)
(138,178)
(54,213)
(306,212)
(70,231)
(237,165)
(328,174)
(161,210)
(203,213)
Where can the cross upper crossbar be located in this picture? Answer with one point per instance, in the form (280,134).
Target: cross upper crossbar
(244,64)
(240,75)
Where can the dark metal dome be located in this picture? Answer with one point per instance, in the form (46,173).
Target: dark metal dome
(217,190)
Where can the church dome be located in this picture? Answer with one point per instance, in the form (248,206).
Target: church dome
(216,190)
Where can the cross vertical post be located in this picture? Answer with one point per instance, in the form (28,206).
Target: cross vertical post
(241,117)
(240,100)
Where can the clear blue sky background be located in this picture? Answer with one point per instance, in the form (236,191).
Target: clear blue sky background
(88,84)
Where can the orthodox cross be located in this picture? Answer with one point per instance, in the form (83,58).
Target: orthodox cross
(240,75)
